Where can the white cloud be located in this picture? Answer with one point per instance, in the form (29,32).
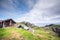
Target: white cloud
(30,3)
(43,11)
(39,12)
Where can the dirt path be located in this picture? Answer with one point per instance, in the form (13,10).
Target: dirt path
(15,36)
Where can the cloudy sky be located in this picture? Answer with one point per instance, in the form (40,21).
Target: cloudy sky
(39,12)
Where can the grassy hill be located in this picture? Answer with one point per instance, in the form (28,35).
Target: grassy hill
(16,34)
(46,34)
(41,33)
(21,34)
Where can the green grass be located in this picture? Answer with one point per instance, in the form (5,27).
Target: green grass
(46,34)
(19,34)
(6,34)
(28,35)
(3,33)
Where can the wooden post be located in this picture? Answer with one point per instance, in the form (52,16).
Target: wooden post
(3,24)
(10,23)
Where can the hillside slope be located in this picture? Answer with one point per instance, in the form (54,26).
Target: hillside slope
(40,33)
(46,34)
(16,34)
(55,28)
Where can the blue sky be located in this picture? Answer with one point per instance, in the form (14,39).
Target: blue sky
(39,12)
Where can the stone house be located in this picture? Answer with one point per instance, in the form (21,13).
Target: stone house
(7,23)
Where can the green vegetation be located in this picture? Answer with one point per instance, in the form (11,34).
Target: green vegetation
(3,33)
(16,34)
(46,34)
(41,33)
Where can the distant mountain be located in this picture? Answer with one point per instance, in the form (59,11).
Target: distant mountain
(49,25)
(55,28)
